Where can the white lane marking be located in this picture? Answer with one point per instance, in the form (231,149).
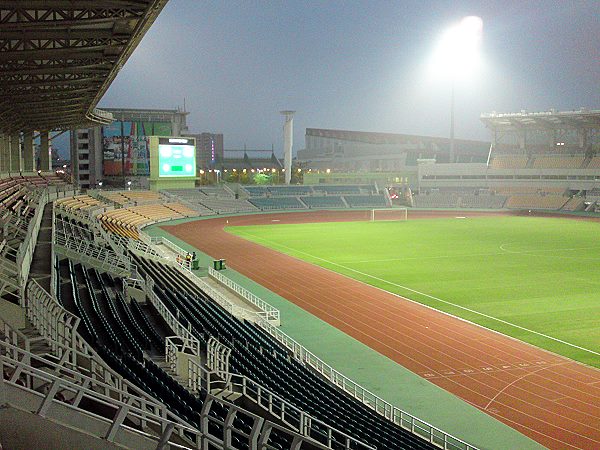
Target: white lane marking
(487,316)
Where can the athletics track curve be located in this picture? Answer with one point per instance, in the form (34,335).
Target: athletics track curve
(550,398)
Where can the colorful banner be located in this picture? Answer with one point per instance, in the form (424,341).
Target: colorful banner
(126,144)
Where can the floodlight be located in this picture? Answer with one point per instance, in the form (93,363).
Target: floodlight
(458,49)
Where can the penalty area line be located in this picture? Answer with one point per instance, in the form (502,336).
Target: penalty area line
(464,308)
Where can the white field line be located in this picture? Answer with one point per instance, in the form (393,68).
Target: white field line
(517,380)
(504,252)
(487,316)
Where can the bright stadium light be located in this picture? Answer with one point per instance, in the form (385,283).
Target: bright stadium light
(458,50)
(457,57)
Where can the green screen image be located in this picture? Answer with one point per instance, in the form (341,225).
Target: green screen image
(175,160)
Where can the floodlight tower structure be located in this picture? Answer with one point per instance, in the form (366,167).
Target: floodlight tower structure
(288,142)
(458,55)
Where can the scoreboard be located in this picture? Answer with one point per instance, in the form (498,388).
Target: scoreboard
(172,162)
(176,157)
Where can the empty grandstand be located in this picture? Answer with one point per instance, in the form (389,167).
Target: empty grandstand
(111,337)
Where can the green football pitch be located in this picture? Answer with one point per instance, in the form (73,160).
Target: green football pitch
(536,279)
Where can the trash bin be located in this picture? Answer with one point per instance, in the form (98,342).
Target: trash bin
(216,264)
(222,264)
(195,264)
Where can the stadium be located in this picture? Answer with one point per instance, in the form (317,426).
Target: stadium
(377,291)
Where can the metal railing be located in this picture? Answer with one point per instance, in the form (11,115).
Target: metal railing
(169,318)
(199,377)
(267,311)
(379,405)
(225,303)
(83,250)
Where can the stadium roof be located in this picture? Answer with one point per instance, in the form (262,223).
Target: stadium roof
(543,120)
(381,138)
(58,58)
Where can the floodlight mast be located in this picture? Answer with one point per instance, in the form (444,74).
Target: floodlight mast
(460,49)
(288,141)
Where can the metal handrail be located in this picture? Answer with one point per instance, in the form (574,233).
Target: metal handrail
(381,406)
(269,312)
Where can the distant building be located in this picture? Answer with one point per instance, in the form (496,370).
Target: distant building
(209,150)
(113,152)
(372,152)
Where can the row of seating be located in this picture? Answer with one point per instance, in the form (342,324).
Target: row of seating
(78,202)
(558,162)
(549,161)
(135,217)
(126,197)
(352,201)
(258,356)
(124,341)
(536,201)
(304,190)
(455,200)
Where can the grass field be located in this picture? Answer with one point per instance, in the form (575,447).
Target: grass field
(536,279)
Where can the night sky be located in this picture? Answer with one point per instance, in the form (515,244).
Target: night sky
(357,65)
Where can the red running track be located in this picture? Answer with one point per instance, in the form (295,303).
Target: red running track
(547,397)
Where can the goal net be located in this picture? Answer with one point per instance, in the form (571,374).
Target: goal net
(389,214)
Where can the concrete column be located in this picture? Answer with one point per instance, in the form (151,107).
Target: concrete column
(28,152)
(45,160)
(288,142)
(4,153)
(15,153)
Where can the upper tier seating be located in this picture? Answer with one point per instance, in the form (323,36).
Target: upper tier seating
(509,161)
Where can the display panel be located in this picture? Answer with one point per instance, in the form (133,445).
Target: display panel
(176,158)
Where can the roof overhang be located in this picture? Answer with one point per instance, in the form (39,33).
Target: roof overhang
(542,120)
(58,58)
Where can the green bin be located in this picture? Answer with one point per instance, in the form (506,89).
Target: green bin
(222,264)
(216,264)
(195,264)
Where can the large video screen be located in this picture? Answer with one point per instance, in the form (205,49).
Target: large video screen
(176,158)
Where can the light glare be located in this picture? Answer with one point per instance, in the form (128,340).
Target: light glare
(457,53)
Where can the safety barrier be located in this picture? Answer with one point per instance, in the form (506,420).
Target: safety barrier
(82,250)
(267,311)
(386,409)
(169,318)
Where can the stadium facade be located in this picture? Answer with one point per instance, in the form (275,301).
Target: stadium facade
(537,150)
(343,150)
(117,151)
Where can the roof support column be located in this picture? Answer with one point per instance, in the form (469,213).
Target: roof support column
(28,152)
(45,160)
(4,153)
(15,153)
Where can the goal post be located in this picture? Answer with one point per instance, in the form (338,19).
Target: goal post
(389,214)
